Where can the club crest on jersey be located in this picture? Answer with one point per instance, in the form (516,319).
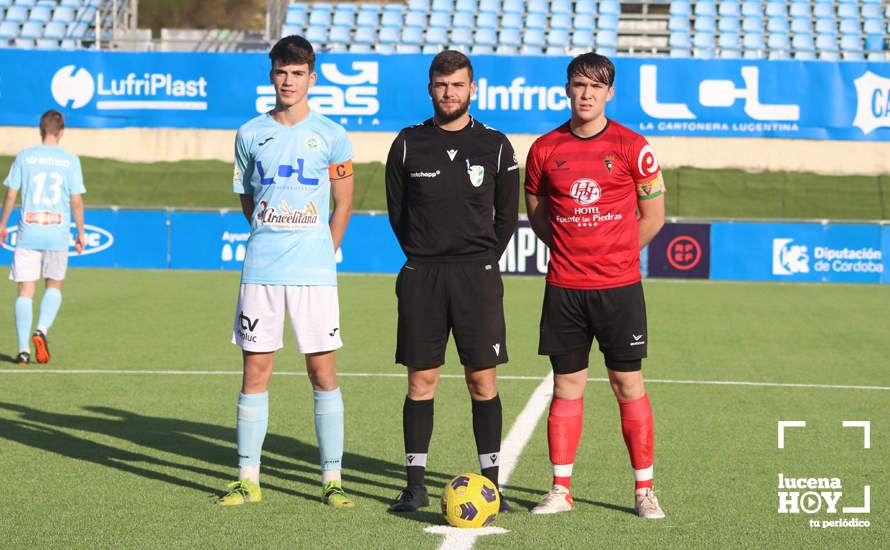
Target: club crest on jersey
(451,153)
(585,191)
(285,218)
(312,142)
(609,161)
(476,173)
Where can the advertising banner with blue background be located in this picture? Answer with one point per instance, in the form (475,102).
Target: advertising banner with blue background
(797,252)
(217,240)
(654,96)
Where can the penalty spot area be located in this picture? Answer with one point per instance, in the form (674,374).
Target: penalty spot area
(458,538)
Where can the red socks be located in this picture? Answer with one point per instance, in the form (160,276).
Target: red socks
(638,430)
(563,435)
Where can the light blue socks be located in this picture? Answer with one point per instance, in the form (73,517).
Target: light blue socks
(253,421)
(49,307)
(329,428)
(23,317)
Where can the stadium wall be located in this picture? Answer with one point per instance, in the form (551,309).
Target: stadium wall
(829,117)
(752,154)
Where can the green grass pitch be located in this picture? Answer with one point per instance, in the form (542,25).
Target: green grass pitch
(133,458)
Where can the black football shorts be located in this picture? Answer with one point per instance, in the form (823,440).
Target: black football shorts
(616,317)
(465,298)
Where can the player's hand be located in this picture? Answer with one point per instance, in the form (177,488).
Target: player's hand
(4,234)
(80,243)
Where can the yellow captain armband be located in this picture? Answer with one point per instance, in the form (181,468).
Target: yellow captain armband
(650,189)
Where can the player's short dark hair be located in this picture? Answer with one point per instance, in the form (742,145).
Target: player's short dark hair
(449,61)
(594,66)
(293,50)
(51,123)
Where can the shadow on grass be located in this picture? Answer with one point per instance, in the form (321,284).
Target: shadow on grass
(208,450)
(6,358)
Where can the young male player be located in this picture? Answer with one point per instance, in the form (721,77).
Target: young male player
(444,178)
(586,183)
(289,163)
(51,183)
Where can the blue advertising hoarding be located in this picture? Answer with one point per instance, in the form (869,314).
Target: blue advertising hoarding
(797,252)
(654,96)
(160,239)
(130,238)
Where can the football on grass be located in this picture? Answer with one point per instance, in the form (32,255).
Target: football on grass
(470,500)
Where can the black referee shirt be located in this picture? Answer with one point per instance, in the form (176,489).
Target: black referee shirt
(452,196)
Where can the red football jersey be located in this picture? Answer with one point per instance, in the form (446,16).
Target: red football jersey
(592,186)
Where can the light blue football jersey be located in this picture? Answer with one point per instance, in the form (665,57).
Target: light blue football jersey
(285,168)
(46,176)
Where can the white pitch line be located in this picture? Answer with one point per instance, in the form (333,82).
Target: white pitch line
(461,376)
(511,448)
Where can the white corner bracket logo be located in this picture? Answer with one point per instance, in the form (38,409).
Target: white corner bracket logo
(72,87)
(814,495)
(788,258)
(872,102)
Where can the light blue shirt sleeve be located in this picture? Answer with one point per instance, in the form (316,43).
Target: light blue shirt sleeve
(76,185)
(243,169)
(14,179)
(341,148)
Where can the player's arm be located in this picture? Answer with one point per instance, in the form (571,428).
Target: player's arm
(242,173)
(650,204)
(536,204)
(247,206)
(651,218)
(77,213)
(8,205)
(342,190)
(538,209)
(506,196)
(395,181)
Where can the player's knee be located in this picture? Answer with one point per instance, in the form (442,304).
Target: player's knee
(422,383)
(482,388)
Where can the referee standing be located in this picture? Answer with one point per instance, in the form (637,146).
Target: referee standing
(452,192)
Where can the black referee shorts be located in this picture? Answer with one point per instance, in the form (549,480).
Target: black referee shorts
(616,317)
(465,298)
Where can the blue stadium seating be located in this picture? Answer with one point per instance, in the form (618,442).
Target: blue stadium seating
(54,30)
(316,33)
(730,45)
(586,21)
(705,24)
(365,35)
(610,6)
(436,35)
(489,6)
(705,8)
(345,18)
(391,18)
(513,6)
(561,7)
(537,6)
(752,8)
(8,30)
(440,19)
(873,27)
(16,14)
(536,21)
(752,25)
(533,37)
(729,24)
(729,9)
(801,25)
(462,20)
(681,7)
(607,21)
(561,21)
(487,21)
(389,35)
(485,37)
(340,34)
(582,39)
(823,11)
(777,24)
(412,36)
(588,7)
(461,37)
(510,37)
(850,26)
(40,14)
(558,37)
(826,26)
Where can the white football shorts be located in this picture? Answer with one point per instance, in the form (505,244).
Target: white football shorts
(26,264)
(314,313)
